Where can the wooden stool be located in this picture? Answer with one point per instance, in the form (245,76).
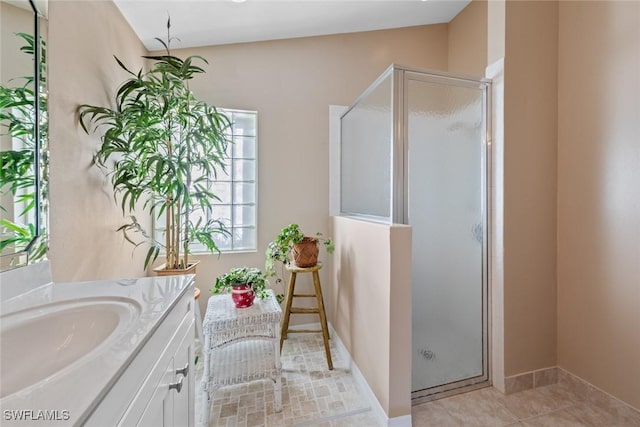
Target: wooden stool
(289,310)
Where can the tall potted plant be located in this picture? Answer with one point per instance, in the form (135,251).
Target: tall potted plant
(162,147)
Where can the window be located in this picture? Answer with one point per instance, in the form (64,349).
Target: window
(237,188)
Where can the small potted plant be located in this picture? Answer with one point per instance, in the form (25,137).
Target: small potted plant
(291,246)
(244,283)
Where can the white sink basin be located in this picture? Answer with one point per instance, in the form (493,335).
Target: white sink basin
(47,340)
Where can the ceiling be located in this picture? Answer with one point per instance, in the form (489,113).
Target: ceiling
(213,22)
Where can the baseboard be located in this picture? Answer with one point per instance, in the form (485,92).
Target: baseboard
(532,379)
(556,374)
(403,421)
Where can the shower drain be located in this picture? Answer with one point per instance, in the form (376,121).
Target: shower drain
(427,354)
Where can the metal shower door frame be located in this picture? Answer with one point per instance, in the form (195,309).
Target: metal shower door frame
(400,200)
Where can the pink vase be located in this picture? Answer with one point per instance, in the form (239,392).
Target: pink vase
(242,296)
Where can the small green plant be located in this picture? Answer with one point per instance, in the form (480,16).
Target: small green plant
(242,276)
(280,248)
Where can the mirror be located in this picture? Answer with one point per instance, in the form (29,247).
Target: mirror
(23,133)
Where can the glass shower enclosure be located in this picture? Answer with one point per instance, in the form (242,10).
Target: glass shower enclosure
(414,150)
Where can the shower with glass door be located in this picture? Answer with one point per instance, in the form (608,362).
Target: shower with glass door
(414,150)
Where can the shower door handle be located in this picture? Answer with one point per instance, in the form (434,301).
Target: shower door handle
(477,232)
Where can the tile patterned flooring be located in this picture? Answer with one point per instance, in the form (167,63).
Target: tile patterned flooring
(311,394)
(565,404)
(314,396)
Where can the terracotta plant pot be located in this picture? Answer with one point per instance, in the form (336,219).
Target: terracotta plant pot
(242,295)
(305,253)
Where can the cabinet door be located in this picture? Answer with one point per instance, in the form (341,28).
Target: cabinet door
(183,414)
(159,411)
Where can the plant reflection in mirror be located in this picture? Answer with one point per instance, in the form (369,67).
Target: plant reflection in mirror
(18,171)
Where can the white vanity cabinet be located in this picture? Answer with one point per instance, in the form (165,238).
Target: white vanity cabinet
(122,353)
(172,401)
(157,388)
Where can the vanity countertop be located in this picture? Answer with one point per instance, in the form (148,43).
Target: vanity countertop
(74,391)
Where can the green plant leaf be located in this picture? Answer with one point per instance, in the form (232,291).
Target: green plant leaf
(123,66)
(160,147)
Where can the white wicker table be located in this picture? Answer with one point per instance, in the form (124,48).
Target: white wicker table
(241,345)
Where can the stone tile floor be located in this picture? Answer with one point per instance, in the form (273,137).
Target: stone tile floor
(553,406)
(314,396)
(311,394)
(569,403)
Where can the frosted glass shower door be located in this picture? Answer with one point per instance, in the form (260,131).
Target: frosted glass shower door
(445,158)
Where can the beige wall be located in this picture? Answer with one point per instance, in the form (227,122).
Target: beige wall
(599,195)
(291,84)
(371,295)
(530,134)
(83,37)
(468,40)
(573,67)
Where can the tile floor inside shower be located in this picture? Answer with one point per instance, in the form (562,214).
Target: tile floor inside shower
(314,396)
